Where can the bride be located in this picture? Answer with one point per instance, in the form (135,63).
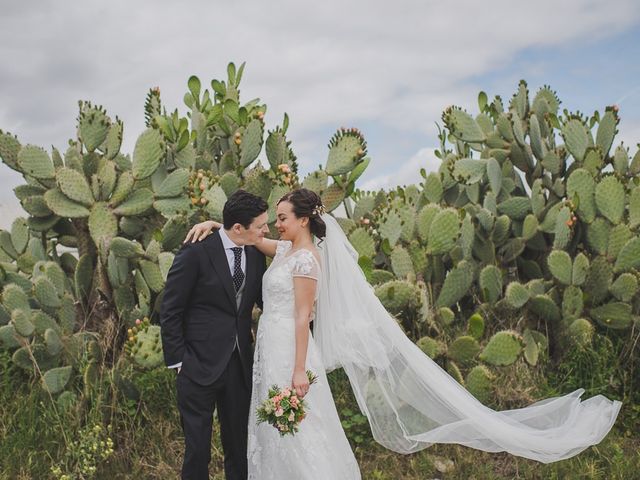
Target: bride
(409,400)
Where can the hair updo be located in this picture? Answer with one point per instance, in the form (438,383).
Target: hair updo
(307,203)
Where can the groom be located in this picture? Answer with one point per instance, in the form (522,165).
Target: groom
(206,334)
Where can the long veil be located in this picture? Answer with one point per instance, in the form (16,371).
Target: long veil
(409,400)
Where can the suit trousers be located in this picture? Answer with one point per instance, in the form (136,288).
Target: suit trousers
(231,397)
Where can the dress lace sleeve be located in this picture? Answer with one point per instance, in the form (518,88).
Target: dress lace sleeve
(282,247)
(305,265)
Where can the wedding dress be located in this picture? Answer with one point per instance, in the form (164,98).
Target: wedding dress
(409,400)
(320,450)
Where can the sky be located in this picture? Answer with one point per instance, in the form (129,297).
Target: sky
(387,68)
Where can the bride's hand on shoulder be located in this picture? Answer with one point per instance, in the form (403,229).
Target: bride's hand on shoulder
(200,231)
(300,383)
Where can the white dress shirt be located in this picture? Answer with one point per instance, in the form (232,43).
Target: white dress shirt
(228,244)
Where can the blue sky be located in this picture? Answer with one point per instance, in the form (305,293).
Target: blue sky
(588,74)
(387,68)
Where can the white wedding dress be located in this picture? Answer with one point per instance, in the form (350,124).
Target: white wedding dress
(409,400)
(320,450)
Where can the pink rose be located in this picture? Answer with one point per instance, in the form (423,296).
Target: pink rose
(279,412)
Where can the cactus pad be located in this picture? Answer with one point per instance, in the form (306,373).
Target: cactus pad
(610,199)
(629,256)
(516,294)
(576,138)
(456,284)
(444,231)
(503,348)
(464,349)
(433,348)
(401,263)
(616,315)
(147,154)
(581,189)
(363,242)
(560,266)
(625,287)
(479,382)
(35,162)
(56,379)
(347,148)
(581,332)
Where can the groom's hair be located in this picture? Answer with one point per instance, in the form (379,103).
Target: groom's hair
(242,207)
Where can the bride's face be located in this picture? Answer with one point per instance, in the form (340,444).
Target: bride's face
(287,223)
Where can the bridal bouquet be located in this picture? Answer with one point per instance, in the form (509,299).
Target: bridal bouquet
(283,409)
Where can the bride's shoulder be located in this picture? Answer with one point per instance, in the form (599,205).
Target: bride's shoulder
(307,257)
(283,246)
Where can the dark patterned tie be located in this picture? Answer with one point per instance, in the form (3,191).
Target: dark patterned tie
(238,274)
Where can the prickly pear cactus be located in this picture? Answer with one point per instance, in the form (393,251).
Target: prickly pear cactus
(122,217)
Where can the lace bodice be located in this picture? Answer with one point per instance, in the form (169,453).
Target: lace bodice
(277,284)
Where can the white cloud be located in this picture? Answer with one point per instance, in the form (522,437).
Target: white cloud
(408,173)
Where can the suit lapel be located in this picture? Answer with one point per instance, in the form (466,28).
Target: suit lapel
(218,259)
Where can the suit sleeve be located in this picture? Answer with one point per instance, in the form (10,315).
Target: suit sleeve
(263,268)
(181,280)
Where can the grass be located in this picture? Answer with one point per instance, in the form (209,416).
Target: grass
(148,438)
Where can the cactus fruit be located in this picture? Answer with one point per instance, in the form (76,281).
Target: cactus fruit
(144,345)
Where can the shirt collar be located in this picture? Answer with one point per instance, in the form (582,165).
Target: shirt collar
(227,243)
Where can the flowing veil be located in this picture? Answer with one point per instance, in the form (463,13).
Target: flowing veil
(409,400)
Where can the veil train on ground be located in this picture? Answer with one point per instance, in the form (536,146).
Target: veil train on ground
(409,400)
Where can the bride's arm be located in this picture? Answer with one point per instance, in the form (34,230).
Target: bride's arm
(200,231)
(304,290)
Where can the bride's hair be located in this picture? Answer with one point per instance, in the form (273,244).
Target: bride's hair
(307,203)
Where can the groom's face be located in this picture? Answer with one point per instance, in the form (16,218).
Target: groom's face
(256,231)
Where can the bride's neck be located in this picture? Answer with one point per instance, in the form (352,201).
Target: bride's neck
(302,240)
